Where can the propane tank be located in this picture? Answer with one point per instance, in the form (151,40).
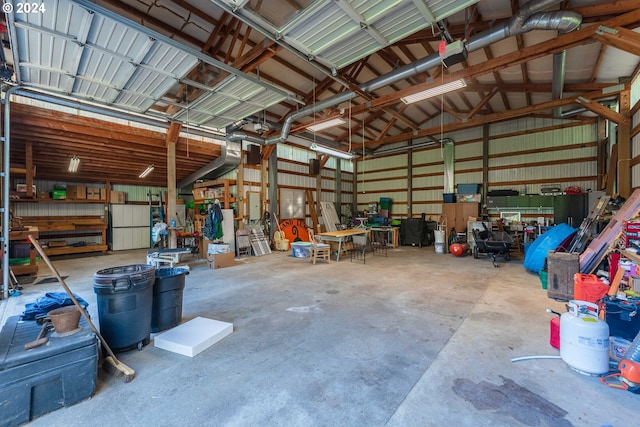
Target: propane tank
(584,339)
(459,249)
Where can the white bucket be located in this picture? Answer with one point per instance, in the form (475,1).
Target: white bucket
(439,236)
(439,248)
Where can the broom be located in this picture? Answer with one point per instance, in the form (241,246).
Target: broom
(111,364)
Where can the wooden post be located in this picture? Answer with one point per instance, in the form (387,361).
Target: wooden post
(172,137)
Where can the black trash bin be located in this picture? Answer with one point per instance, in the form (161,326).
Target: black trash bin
(125,296)
(166,311)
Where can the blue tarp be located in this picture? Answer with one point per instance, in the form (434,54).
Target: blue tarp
(50,301)
(537,252)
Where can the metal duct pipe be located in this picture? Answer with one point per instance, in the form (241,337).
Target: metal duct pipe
(229,159)
(105,111)
(39,96)
(239,136)
(557,84)
(525,19)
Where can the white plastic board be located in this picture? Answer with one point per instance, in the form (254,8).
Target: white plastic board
(194,336)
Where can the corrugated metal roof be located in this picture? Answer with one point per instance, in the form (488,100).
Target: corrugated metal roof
(86,52)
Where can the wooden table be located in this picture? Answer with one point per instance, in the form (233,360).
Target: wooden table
(340,236)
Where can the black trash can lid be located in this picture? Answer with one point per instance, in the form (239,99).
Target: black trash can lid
(171,271)
(136,273)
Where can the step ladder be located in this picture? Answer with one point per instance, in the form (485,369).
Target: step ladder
(156,214)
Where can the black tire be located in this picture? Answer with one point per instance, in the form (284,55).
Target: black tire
(475,252)
(506,256)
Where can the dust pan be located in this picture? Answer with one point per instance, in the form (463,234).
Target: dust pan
(65,319)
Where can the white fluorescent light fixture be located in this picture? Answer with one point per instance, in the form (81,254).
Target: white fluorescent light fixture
(74,163)
(331,151)
(147,171)
(327,124)
(434,91)
(404,148)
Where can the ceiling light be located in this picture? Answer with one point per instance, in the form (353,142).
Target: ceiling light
(74,163)
(147,171)
(404,148)
(326,124)
(331,151)
(434,91)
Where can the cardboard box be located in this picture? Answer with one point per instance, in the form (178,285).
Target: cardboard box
(43,195)
(93,193)
(22,188)
(221,260)
(76,192)
(218,248)
(469,198)
(103,194)
(199,193)
(118,197)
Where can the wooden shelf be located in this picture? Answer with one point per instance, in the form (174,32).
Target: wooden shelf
(52,228)
(23,236)
(34,200)
(66,250)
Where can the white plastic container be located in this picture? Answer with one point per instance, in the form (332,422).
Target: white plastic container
(618,347)
(584,339)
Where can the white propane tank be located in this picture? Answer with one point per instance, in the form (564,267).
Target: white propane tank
(584,339)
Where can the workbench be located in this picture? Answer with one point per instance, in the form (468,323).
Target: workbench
(341,236)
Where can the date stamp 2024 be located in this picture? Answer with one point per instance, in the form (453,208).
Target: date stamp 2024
(24,7)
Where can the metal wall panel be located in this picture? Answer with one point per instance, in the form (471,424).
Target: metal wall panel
(58,209)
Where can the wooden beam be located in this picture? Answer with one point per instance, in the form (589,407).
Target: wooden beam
(624,147)
(603,111)
(620,38)
(482,102)
(495,117)
(173,133)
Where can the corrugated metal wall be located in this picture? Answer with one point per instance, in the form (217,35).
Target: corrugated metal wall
(524,155)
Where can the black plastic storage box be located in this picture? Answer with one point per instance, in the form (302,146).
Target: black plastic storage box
(34,382)
(623,317)
(166,311)
(124,297)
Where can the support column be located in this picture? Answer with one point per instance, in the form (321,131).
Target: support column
(172,137)
(485,166)
(409,181)
(624,147)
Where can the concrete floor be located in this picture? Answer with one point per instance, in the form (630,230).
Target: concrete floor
(413,339)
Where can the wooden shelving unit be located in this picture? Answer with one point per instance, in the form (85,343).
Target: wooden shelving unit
(54,228)
(22,236)
(50,200)
(226,200)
